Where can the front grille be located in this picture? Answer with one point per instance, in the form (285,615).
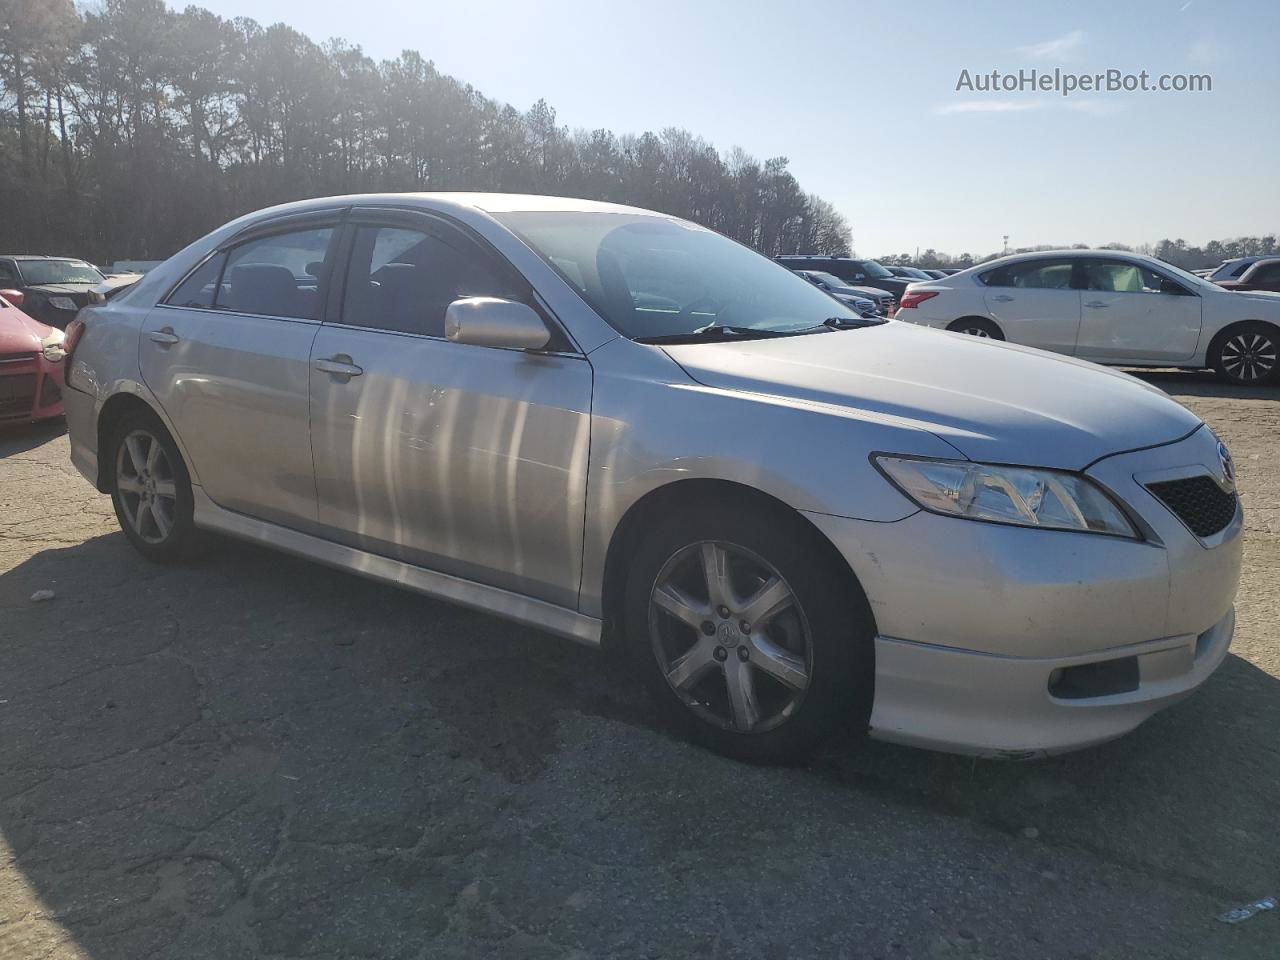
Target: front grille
(1198,502)
(17,394)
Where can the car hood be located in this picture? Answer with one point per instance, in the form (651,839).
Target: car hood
(19,333)
(1265,296)
(992,401)
(61,289)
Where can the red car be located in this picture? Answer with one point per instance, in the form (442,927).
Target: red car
(1263,275)
(31,356)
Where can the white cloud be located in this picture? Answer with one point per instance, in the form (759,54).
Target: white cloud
(1059,48)
(987,106)
(1206,51)
(1098,108)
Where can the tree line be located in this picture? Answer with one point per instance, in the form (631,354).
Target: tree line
(1177,252)
(130,130)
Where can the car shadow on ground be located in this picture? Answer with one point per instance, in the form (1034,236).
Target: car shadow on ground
(252,753)
(21,437)
(1204,383)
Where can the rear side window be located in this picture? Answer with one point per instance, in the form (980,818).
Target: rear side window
(1033,275)
(8,275)
(199,288)
(404,280)
(276,276)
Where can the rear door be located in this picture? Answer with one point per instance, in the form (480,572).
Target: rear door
(1035,303)
(227,356)
(1129,314)
(465,459)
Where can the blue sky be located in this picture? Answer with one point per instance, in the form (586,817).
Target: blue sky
(862,98)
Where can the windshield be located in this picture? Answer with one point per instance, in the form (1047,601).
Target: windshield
(38,272)
(873,269)
(829,279)
(653,277)
(1189,278)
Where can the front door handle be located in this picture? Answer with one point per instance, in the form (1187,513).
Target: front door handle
(164,336)
(339,365)
(1002,298)
(1096,305)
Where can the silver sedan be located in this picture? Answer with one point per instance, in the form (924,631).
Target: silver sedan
(628,430)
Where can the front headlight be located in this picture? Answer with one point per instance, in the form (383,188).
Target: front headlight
(52,348)
(63,303)
(1023,496)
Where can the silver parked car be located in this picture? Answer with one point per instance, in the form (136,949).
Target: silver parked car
(627,429)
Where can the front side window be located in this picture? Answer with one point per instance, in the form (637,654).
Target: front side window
(1032,275)
(38,272)
(8,275)
(276,276)
(650,277)
(1114,276)
(404,280)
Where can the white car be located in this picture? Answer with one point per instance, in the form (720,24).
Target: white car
(1108,307)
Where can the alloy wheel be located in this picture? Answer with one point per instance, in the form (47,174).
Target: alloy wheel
(145,481)
(1249,357)
(730,637)
(975,332)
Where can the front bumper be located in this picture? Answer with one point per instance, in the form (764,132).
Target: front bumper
(30,389)
(961,701)
(975,618)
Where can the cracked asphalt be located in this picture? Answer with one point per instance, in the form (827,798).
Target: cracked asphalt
(254,756)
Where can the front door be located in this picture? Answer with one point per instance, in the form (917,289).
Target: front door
(227,356)
(1035,304)
(1129,315)
(464,459)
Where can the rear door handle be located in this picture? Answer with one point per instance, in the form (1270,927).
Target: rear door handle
(164,336)
(1002,298)
(339,365)
(1096,305)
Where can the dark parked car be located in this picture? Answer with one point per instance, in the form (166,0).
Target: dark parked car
(910,274)
(867,273)
(1234,269)
(1260,275)
(885,303)
(55,288)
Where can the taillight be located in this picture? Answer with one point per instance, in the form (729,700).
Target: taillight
(909,299)
(72,335)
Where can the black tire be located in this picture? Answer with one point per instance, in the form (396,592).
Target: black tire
(157,541)
(976,327)
(839,655)
(1247,354)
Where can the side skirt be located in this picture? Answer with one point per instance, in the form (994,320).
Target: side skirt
(503,603)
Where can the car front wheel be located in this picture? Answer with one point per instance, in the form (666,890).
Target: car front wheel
(748,632)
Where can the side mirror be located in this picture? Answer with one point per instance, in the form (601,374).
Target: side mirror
(1172,287)
(490,322)
(15,297)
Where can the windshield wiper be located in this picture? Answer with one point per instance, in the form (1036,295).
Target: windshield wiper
(715,331)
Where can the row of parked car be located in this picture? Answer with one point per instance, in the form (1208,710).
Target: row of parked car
(1105,306)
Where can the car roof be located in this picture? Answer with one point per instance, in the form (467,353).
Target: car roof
(38,256)
(445,200)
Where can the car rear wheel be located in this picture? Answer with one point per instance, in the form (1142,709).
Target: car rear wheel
(151,489)
(976,327)
(1247,354)
(749,634)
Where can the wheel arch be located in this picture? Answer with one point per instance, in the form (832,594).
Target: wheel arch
(954,325)
(113,409)
(1216,341)
(679,493)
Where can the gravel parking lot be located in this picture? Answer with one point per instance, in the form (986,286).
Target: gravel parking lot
(256,756)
